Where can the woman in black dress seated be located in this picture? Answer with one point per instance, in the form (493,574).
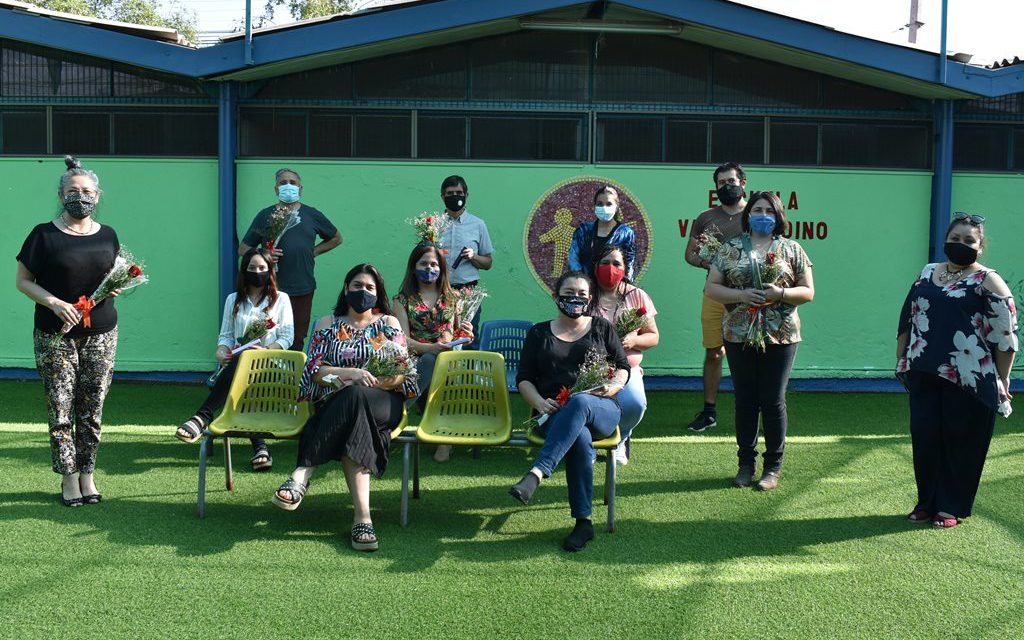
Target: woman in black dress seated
(553,354)
(355,412)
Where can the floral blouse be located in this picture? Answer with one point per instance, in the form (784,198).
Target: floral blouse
(426,324)
(953,331)
(341,345)
(781,320)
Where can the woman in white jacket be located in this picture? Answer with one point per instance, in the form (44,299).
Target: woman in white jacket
(256,301)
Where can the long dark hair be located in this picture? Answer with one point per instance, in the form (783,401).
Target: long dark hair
(569,275)
(612,191)
(607,250)
(269,291)
(383,305)
(411,284)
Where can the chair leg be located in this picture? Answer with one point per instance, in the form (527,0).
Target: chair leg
(204,449)
(403,515)
(229,473)
(610,489)
(416,471)
(476,453)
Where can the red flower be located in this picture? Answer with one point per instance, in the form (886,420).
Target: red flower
(430,220)
(270,324)
(611,372)
(642,311)
(770,258)
(563,396)
(134,271)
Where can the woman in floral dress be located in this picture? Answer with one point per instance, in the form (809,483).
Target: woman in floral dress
(956,343)
(355,411)
(761,278)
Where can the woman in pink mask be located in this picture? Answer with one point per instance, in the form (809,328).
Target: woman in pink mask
(615,297)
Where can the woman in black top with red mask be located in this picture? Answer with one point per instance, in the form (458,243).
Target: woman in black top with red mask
(61,261)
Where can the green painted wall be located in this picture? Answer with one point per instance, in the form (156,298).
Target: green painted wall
(165,211)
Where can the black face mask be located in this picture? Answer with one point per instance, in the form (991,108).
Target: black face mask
(730,194)
(572,306)
(257,278)
(360,300)
(454,203)
(79,206)
(960,254)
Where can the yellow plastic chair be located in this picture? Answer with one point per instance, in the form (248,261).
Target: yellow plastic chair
(608,446)
(467,405)
(262,403)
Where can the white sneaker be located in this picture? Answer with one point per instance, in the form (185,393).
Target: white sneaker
(620,454)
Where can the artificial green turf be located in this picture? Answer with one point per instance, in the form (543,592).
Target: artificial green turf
(828,555)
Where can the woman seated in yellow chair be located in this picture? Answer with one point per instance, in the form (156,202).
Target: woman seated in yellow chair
(551,361)
(355,411)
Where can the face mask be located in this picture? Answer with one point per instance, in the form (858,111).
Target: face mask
(762,225)
(288,193)
(730,194)
(960,254)
(605,213)
(572,306)
(454,203)
(609,276)
(257,278)
(427,275)
(79,206)
(360,300)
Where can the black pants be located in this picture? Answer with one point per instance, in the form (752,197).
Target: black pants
(950,432)
(219,395)
(760,379)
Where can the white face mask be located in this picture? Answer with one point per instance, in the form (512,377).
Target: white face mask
(288,193)
(604,213)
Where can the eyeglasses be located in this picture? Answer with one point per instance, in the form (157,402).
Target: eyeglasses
(961,216)
(84,192)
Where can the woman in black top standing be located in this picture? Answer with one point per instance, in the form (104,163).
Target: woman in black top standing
(552,356)
(59,262)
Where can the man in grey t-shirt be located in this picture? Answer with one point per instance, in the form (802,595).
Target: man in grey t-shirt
(467,241)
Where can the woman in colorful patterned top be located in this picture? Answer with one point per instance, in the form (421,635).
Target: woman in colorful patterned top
(426,310)
(761,278)
(355,411)
(956,343)
(608,228)
(616,297)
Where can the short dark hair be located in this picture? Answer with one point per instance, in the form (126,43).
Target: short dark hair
(383,304)
(454,181)
(781,223)
(734,166)
(980,226)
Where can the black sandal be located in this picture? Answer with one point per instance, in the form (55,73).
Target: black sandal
(94,498)
(69,502)
(297,491)
(194,427)
(261,460)
(364,537)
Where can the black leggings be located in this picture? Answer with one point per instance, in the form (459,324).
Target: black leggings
(760,379)
(219,395)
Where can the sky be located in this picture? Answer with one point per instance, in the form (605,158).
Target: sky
(988,29)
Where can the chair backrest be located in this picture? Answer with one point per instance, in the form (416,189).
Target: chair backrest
(468,397)
(506,337)
(263,397)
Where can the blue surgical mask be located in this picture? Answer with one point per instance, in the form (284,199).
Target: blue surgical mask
(427,275)
(288,193)
(604,214)
(762,225)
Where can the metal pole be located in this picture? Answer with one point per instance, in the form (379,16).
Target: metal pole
(227,126)
(248,32)
(913,25)
(942,44)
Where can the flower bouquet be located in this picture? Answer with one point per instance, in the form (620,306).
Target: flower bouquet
(430,227)
(770,271)
(252,336)
(388,359)
(281,219)
(468,302)
(594,373)
(708,243)
(127,273)
(631,320)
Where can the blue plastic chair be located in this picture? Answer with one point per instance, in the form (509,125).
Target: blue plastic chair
(506,337)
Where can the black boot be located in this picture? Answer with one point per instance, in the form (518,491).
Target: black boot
(580,535)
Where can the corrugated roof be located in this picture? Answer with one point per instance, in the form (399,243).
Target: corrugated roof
(161,34)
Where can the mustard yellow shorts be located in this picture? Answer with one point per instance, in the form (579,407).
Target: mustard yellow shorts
(711,314)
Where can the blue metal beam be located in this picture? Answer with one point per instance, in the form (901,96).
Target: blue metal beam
(942,178)
(227,126)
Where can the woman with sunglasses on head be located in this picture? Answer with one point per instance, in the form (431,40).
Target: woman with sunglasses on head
(761,277)
(955,345)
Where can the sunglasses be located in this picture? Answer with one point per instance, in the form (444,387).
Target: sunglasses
(961,216)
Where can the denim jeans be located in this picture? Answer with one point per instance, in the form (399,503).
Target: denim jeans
(633,400)
(569,433)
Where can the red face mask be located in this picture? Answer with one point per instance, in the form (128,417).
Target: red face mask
(609,276)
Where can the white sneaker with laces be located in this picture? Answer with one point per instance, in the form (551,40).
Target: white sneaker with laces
(620,454)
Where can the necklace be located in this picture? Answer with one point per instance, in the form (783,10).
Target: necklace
(948,276)
(92,225)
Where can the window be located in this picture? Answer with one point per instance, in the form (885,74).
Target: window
(686,141)
(23,131)
(272,133)
(843,94)
(383,136)
(435,73)
(1018,149)
(324,84)
(131,84)
(742,80)
(81,132)
(737,141)
(531,66)
(441,136)
(1012,104)
(163,133)
(653,69)
(526,138)
(793,143)
(330,135)
(980,147)
(849,144)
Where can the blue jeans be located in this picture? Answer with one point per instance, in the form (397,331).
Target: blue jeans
(633,400)
(569,434)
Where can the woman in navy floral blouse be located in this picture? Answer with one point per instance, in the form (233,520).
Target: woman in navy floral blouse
(355,412)
(956,342)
